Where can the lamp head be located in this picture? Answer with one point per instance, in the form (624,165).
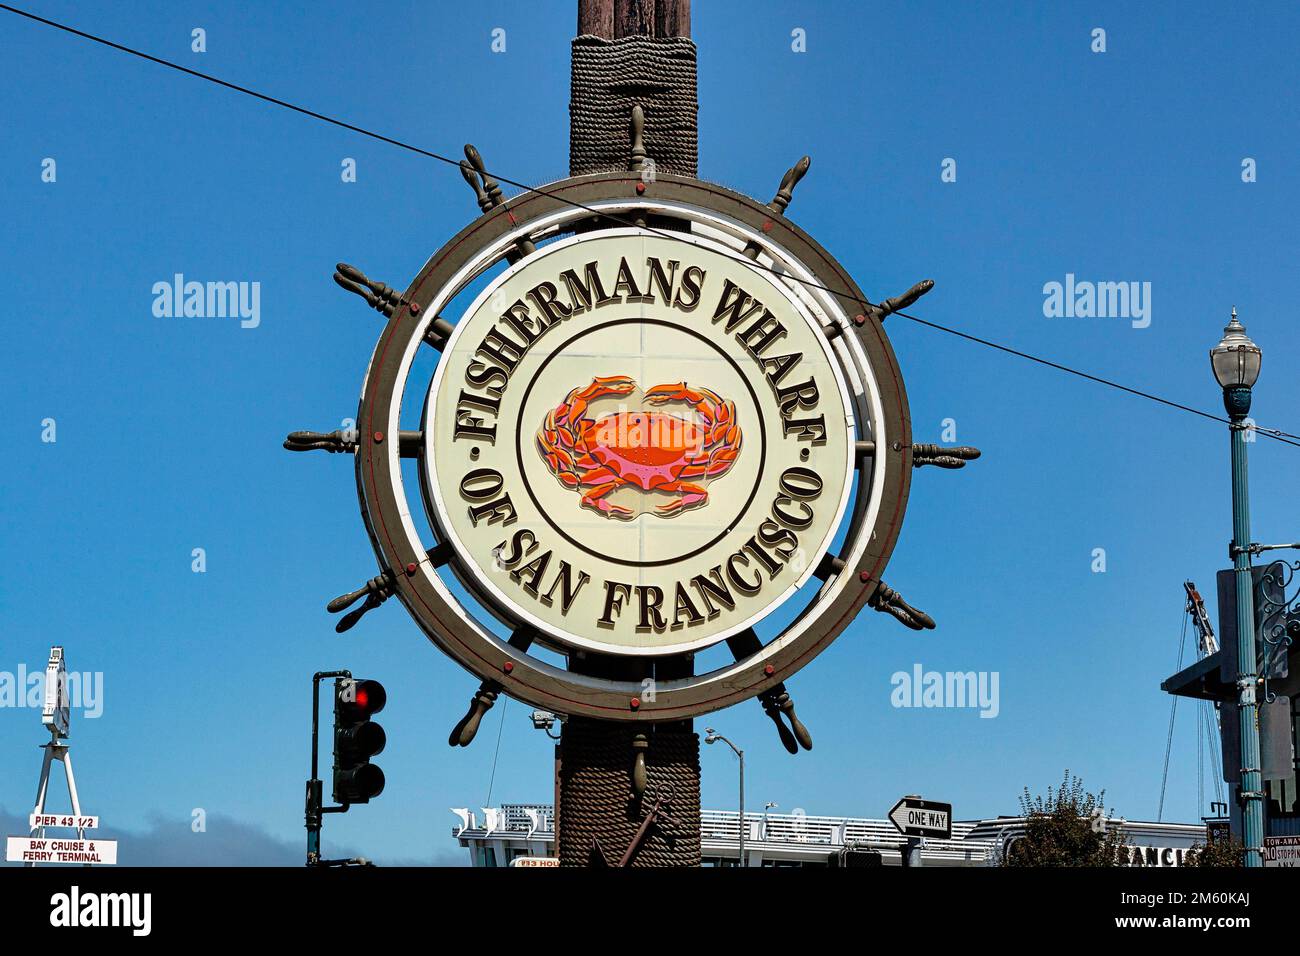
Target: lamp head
(1236,359)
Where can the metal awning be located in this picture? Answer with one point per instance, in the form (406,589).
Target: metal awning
(1202,680)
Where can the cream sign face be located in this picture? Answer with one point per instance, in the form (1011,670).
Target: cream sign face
(639,446)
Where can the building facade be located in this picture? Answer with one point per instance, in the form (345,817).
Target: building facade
(501,836)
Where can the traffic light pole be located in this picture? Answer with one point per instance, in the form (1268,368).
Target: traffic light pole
(314,787)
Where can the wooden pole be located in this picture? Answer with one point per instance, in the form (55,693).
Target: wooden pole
(672,18)
(597,762)
(596,18)
(634,18)
(612,19)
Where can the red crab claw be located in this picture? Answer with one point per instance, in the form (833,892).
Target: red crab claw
(662,394)
(610,385)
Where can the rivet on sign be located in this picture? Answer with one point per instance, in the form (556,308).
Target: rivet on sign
(767,226)
(898,446)
(379,436)
(860,319)
(635,702)
(508,666)
(864,576)
(769,670)
(640,188)
(415,308)
(410,568)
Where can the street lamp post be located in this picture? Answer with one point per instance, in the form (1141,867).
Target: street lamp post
(713,737)
(1236,361)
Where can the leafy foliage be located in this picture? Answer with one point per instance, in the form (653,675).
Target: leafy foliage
(1067,827)
(1223,852)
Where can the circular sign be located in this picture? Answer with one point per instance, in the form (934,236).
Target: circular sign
(638,446)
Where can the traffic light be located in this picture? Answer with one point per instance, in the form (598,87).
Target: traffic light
(356,739)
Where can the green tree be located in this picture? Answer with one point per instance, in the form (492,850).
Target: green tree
(1066,828)
(1223,852)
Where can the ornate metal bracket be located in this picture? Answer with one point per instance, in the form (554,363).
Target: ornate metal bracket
(486,189)
(462,735)
(890,601)
(1256,548)
(890,306)
(337,441)
(1279,617)
(944,456)
(954,456)
(385,299)
(488,192)
(380,297)
(776,702)
(376,591)
(640,744)
(785,192)
(636,136)
(333,442)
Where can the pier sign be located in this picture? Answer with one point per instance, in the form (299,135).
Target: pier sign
(48,850)
(62,820)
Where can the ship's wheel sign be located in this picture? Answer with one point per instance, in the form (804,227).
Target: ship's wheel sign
(630,418)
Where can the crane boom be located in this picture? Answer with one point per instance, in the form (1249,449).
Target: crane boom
(1205,639)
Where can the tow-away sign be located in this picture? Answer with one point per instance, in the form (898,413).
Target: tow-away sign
(59,850)
(915,817)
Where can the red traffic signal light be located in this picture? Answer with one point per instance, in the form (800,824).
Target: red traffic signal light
(357,739)
(360,699)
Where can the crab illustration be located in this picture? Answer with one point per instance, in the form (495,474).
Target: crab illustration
(646,450)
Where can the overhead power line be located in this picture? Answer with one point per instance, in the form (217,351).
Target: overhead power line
(1276,434)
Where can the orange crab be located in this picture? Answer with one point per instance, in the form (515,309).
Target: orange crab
(647,450)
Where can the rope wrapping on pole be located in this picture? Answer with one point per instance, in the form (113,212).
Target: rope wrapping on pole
(597,801)
(608,78)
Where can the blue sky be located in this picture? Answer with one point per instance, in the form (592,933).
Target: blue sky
(1116,166)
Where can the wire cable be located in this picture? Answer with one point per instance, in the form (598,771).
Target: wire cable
(505,702)
(1213,743)
(1276,434)
(1173,712)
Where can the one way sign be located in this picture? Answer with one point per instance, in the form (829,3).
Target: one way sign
(915,817)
